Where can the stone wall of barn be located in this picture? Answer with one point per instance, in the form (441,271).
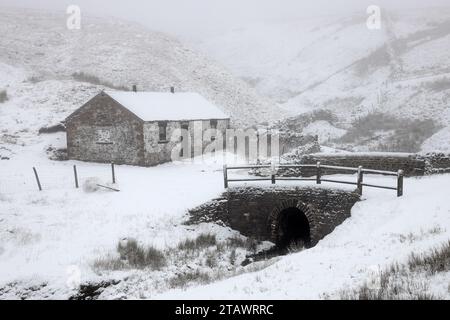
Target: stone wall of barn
(103,131)
(157,152)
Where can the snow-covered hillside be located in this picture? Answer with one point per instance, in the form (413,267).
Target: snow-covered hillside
(337,63)
(52,238)
(383,230)
(39,56)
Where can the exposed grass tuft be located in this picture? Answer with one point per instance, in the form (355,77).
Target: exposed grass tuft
(183,279)
(233,256)
(85,77)
(439,85)
(3,96)
(202,241)
(405,281)
(403,135)
(437,261)
(134,256)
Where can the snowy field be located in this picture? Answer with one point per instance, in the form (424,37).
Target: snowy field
(45,235)
(383,229)
(42,234)
(51,239)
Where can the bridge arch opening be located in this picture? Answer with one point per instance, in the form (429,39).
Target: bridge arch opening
(293,228)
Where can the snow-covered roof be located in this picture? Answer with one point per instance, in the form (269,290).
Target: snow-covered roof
(161,106)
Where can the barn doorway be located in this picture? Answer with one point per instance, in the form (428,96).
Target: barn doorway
(293,229)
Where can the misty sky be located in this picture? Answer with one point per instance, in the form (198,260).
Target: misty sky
(195,17)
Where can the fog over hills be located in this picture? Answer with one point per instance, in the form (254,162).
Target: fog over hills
(336,63)
(41,56)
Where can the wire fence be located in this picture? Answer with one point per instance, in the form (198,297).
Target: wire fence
(48,177)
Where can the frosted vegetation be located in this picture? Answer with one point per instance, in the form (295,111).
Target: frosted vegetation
(335,63)
(3,96)
(411,280)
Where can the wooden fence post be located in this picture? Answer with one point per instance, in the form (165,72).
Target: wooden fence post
(225,176)
(360,180)
(37,179)
(113,173)
(318,173)
(400,183)
(75,175)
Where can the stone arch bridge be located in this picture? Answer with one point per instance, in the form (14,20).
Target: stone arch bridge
(280,214)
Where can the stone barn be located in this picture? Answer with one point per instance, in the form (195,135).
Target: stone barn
(135,128)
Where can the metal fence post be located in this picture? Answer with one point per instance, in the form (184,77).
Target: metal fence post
(360,180)
(225,176)
(75,175)
(37,179)
(400,183)
(318,173)
(113,173)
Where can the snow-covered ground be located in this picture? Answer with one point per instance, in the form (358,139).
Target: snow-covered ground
(44,235)
(383,229)
(52,236)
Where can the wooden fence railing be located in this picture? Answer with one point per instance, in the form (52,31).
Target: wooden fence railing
(318,177)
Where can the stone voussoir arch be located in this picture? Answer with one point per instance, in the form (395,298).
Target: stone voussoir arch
(308,210)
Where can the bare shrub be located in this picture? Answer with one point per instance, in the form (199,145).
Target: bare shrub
(140,257)
(211,259)
(236,242)
(411,237)
(85,77)
(439,85)
(3,96)
(202,241)
(57,154)
(403,281)
(109,262)
(405,135)
(252,245)
(132,255)
(233,257)
(436,261)
(34,79)
(183,279)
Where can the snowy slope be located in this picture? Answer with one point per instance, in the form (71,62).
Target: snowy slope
(119,53)
(383,229)
(45,234)
(336,63)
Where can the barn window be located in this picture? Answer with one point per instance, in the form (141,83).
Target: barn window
(104,136)
(184,129)
(162,131)
(185,126)
(213,125)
